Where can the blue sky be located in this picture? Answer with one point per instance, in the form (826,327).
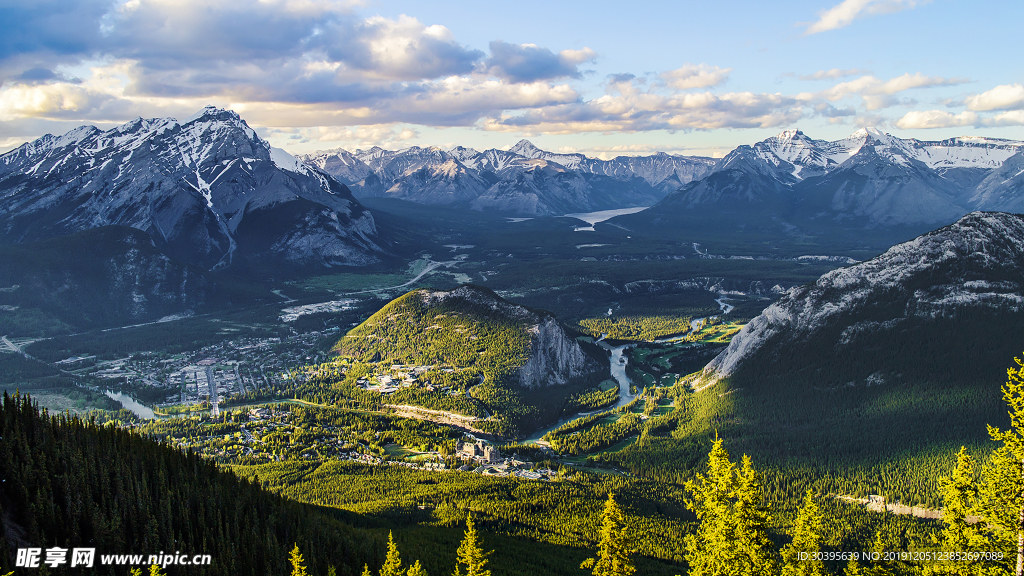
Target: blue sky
(603,78)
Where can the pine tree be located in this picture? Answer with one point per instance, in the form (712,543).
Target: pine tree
(366,571)
(731,537)
(886,540)
(470,554)
(1002,489)
(613,549)
(708,550)
(853,568)
(295,557)
(154,570)
(392,563)
(752,520)
(960,500)
(806,539)
(331,571)
(416,570)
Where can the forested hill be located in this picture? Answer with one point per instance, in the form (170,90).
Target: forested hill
(513,359)
(70,483)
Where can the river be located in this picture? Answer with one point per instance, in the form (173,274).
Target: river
(132,404)
(617,364)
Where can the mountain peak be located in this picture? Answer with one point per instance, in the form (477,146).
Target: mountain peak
(212,113)
(871,132)
(794,134)
(526,148)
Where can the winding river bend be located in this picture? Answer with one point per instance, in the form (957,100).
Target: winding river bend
(617,363)
(132,404)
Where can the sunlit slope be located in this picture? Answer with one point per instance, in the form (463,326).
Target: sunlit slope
(518,362)
(870,378)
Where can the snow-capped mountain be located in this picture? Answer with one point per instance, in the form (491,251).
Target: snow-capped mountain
(934,298)
(207,189)
(797,186)
(449,182)
(436,176)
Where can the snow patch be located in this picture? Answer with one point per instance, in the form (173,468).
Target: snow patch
(286,161)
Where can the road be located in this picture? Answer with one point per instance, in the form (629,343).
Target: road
(431,266)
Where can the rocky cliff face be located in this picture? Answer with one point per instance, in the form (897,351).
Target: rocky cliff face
(554,357)
(921,303)
(208,190)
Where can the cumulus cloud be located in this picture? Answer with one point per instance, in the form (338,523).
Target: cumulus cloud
(651,111)
(921,119)
(844,13)
(1011,118)
(691,76)
(530,63)
(878,94)
(1005,97)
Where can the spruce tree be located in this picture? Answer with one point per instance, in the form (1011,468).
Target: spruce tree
(613,549)
(708,550)
(731,537)
(366,571)
(295,557)
(1002,489)
(392,563)
(960,501)
(752,520)
(416,570)
(806,539)
(470,554)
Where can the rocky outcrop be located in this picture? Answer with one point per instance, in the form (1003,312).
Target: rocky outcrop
(963,279)
(555,358)
(208,190)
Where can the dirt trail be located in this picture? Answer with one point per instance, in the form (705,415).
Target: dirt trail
(877,503)
(437,416)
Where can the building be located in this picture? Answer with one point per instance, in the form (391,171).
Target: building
(478,451)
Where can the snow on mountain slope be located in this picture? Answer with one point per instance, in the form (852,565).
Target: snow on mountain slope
(196,187)
(340,163)
(642,180)
(975,265)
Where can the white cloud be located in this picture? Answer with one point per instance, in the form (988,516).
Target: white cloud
(691,76)
(651,111)
(844,13)
(1011,118)
(1005,97)
(878,94)
(923,119)
(832,74)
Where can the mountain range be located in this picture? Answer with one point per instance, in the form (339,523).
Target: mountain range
(523,180)
(792,186)
(208,190)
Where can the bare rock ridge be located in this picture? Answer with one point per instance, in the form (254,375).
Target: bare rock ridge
(934,298)
(208,190)
(524,180)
